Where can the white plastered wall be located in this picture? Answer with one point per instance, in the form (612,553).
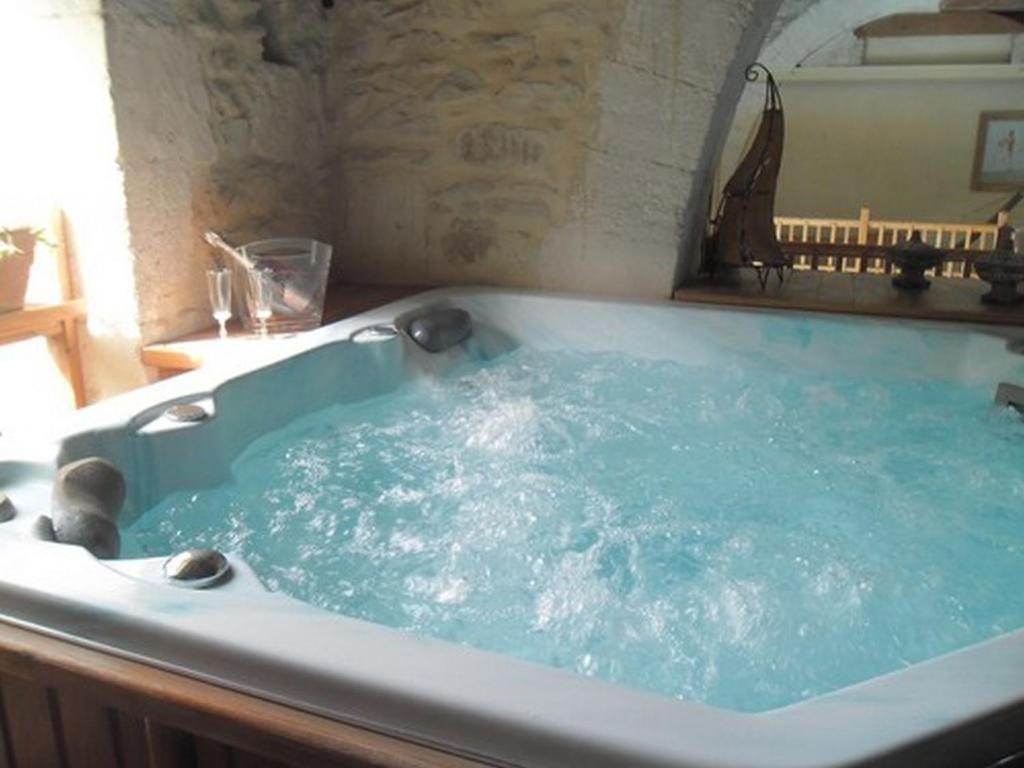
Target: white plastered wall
(809,33)
(212,136)
(899,140)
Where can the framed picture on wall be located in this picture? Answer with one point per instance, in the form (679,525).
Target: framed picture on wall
(999,152)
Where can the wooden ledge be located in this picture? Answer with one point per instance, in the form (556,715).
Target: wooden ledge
(948,299)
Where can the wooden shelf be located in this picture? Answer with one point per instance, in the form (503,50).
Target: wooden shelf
(948,299)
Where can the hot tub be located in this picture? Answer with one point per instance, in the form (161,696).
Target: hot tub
(782,586)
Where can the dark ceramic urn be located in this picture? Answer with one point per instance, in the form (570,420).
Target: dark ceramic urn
(914,257)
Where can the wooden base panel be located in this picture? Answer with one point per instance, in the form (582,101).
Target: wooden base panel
(66,706)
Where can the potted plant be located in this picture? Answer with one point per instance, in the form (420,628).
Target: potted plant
(17,250)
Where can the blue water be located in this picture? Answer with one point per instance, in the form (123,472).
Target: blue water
(742,536)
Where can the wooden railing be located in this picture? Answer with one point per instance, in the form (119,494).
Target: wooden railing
(858,245)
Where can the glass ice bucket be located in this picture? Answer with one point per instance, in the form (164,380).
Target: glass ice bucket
(298,268)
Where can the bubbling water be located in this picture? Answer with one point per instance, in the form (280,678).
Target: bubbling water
(743,537)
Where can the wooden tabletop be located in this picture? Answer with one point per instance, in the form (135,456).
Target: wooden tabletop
(193,350)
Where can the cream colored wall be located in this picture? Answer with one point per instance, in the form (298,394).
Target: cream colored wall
(899,140)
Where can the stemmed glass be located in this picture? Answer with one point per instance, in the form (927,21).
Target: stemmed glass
(261,283)
(218,282)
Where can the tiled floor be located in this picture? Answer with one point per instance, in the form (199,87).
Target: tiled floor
(861,294)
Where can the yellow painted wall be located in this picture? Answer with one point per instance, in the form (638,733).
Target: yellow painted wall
(899,140)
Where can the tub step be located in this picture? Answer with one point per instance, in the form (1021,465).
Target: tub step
(1010,396)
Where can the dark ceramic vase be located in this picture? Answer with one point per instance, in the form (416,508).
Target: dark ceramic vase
(913,258)
(1002,270)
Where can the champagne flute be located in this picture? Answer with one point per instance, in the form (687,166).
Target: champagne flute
(218,282)
(261,283)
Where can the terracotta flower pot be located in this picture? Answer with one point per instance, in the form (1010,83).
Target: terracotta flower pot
(14,270)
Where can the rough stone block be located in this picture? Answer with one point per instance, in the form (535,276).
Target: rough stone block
(463,191)
(384,237)
(458,85)
(518,209)
(653,119)
(500,145)
(561,95)
(578,257)
(469,240)
(637,201)
(649,37)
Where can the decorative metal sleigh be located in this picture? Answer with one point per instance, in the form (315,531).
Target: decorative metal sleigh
(742,232)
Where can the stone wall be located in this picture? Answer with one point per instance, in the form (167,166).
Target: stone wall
(220,117)
(536,143)
(556,144)
(460,130)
